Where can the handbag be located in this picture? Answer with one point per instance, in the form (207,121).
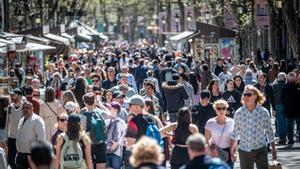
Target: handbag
(275,165)
(218,151)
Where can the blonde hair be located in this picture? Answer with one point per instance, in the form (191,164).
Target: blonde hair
(68,96)
(260,96)
(146,150)
(222,102)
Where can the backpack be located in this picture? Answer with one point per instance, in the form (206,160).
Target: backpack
(153,132)
(95,125)
(71,154)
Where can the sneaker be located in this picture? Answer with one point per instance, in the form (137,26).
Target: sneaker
(281,142)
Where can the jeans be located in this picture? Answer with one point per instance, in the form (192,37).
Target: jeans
(281,122)
(126,156)
(113,161)
(290,128)
(22,161)
(12,152)
(259,157)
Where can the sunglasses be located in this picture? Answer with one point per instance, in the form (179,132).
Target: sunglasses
(221,108)
(36,95)
(97,93)
(95,80)
(62,120)
(248,94)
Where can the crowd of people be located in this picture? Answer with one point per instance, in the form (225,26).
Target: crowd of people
(134,106)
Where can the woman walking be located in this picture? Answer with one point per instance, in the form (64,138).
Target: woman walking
(49,112)
(81,143)
(218,131)
(180,131)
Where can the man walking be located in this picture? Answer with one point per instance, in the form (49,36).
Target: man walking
(14,116)
(31,128)
(197,150)
(278,85)
(290,99)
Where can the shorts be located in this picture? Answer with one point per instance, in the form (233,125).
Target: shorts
(99,153)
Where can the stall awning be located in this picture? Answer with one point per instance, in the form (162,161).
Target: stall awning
(182,35)
(7,42)
(3,47)
(87,30)
(38,39)
(3,44)
(57,38)
(84,37)
(36,47)
(68,36)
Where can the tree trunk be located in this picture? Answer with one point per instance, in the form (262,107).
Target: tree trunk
(273,36)
(290,18)
(169,16)
(182,16)
(103,11)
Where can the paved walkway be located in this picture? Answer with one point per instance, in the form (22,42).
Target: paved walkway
(288,156)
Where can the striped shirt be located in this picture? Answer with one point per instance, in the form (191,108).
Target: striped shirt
(252,128)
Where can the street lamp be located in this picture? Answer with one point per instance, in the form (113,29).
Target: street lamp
(164,24)
(189,17)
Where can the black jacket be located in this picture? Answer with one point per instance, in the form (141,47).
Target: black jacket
(107,84)
(201,114)
(175,95)
(269,94)
(290,96)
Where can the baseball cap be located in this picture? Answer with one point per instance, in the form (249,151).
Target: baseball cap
(16,91)
(137,100)
(117,94)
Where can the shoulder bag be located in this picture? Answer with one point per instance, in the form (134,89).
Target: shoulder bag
(218,151)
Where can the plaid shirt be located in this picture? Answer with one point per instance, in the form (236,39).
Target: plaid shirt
(251,129)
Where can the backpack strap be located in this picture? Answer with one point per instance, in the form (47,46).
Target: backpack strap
(65,136)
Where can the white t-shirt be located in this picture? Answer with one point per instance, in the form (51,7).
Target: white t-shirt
(216,131)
